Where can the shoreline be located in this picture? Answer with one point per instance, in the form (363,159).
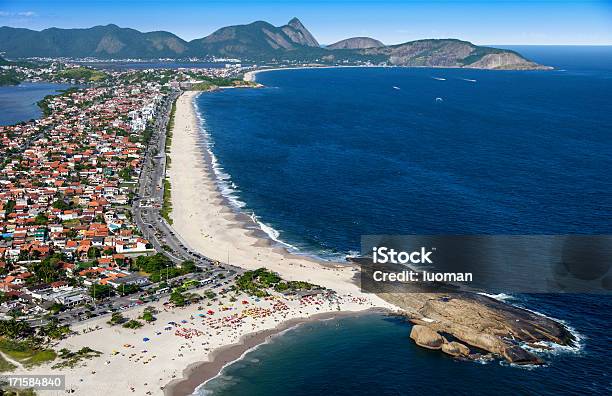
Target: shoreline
(199,206)
(200,373)
(249,220)
(208,222)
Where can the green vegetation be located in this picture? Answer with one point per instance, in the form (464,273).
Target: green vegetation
(5,365)
(15,329)
(116,318)
(9,77)
(132,324)
(101,291)
(177,298)
(202,86)
(166,208)
(7,391)
(82,73)
(54,330)
(26,352)
(256,282)
(71,359)
(44,102)
(126,173)
(148,315)
(211,83)
(160,267)
(170,127)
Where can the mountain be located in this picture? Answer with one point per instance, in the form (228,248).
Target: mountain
(108,41)
(451,53)
(257,42)
(356,43)
(299,34)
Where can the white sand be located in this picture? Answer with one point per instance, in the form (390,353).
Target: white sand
(167,354)
(211,228)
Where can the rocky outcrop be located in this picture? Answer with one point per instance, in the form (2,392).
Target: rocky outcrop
(505,61)
(480,322)
(356,43)
(455,349)
(298,33)
(426,337)
(451,53)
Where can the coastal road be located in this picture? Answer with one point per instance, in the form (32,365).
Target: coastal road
(146,207)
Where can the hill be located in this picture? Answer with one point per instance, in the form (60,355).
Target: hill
(451,53)
(257,42)
(108,41)
(356,43)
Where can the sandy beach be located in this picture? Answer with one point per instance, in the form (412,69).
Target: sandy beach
(186,346)
(205,221)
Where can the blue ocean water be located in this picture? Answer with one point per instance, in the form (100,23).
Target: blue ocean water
(18,103)
(325,156)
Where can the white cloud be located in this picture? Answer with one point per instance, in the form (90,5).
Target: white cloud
(22,14)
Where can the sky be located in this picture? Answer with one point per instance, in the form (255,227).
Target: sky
(543,22)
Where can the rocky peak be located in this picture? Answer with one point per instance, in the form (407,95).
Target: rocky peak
(298,33)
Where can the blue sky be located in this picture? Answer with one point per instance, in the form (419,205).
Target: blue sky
(482,22)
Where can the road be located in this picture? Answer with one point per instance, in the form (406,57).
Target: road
(146,211)
(146,207)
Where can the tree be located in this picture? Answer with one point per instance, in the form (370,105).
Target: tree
(15,329)
(132,324)
(101,291)
(177,298)
(60,204)
(116,318)
(48,269)
(147,316)
(93,252)
(54,330)
(124,290)
(188,266)
(56,308)
(126,173)
(41,219)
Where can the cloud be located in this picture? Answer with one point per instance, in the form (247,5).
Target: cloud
(22,14)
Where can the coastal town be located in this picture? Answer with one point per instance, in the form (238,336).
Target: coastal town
(88,246)
(66,191)
(120,250)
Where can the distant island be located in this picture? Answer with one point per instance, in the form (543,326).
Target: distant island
(259,42)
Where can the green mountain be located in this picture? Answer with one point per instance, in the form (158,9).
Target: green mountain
(108,41)
(258,41)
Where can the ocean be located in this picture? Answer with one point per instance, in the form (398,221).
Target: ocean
(18,102)
(321,157)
